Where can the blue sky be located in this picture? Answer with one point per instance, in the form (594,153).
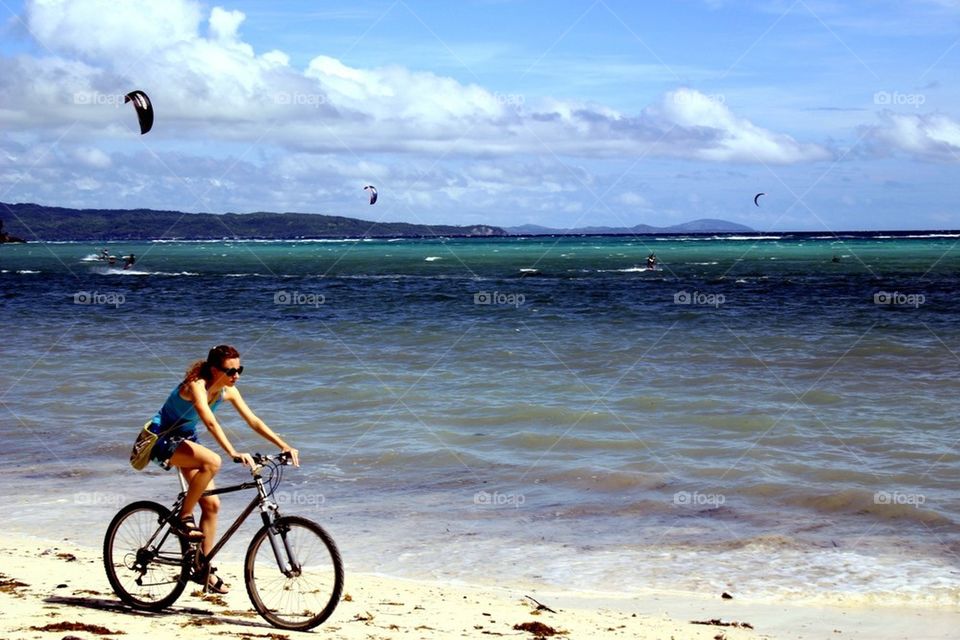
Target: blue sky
(553,113)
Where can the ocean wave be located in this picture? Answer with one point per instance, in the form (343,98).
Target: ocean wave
(109,271)
(525,414)
(595,479)
(884,505)
(737,423)
(532,441)
(887,348)
(935,235)
(746,237)
(229,241)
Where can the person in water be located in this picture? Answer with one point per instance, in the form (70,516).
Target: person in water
(129,260)
(205,386)
(652,261)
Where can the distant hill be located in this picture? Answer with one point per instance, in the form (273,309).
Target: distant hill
(704,225)
(6,237)
(38,222)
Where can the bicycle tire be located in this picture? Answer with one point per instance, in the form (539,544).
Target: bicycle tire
(124,549)
(299,602)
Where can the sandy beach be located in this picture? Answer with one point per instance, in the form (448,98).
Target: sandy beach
(55,589)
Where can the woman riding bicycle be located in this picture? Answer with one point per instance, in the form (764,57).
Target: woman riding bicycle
(207,383)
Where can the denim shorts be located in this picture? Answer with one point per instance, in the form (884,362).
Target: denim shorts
(165,446)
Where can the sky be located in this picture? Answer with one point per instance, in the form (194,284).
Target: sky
(561,114)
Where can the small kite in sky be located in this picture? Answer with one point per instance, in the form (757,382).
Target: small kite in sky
(144,109)
(756,198)
(373,192)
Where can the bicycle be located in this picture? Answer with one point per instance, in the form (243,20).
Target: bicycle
(292,569)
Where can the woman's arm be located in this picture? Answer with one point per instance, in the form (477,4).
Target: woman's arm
(198,396)
(233,395)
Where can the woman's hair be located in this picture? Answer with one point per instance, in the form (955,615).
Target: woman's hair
(201,368)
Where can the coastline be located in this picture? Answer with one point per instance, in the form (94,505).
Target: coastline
(49,588)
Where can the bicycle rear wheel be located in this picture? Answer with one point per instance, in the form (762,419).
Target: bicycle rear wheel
(144,561)
(309,590)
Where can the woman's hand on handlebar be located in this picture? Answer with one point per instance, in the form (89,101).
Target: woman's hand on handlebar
(244,458)
(294,455)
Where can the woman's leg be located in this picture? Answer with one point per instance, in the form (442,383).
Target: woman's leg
(209,511)
(199,465)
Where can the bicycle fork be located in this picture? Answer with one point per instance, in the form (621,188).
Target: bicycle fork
(283,550)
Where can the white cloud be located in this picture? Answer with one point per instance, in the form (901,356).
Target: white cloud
(217,87)
(928,137)
(87,184)
(727,138)
(90,157)
(633,199)
(104,28)
(224,24)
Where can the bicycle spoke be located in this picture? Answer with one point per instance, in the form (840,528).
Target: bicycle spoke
(307,596)
(143,575)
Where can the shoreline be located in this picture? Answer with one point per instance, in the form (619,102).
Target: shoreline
(45,583)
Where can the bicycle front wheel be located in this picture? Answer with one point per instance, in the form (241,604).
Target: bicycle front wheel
(144,560)
(293,573)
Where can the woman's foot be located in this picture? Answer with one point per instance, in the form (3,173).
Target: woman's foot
(186,528)
(215,584)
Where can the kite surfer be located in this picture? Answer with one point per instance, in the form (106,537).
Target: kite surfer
(106,257)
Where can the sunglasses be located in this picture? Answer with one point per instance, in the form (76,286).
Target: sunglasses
(232,371)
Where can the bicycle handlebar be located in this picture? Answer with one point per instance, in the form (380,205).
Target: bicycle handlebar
(283,457)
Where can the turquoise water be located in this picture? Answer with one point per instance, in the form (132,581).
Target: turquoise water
(752,416)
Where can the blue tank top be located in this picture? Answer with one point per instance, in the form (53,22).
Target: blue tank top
(179,416)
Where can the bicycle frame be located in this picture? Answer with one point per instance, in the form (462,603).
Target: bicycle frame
(269,511)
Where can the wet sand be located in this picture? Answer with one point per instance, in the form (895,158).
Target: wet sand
(55,589)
